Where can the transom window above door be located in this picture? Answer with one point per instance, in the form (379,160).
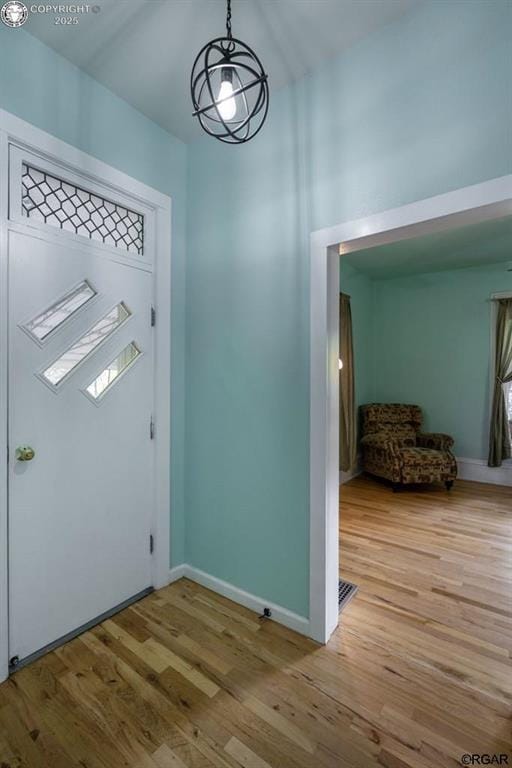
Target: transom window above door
(59,203)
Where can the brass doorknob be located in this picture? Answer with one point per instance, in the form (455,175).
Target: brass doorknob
(25,453)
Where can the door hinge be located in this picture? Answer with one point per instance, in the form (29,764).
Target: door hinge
(151,544)
(153,317)
(151,429)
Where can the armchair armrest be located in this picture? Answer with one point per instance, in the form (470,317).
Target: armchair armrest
(436,440)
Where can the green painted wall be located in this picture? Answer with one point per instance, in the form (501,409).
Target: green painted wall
(425,339)
(432,347)
(43,88)
(419,108)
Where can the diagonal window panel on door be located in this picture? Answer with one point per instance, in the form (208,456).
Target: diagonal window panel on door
(102,384)
(54,316)
(47,199)
(64,365)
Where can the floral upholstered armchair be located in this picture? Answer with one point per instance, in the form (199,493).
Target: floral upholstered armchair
(394,448)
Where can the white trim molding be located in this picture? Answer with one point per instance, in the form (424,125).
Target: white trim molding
(478,471)
(346,477)
(14,131)
(255,603)
(4,406)
(479,202)
(177,573)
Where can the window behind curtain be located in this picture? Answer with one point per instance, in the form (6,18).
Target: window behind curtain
(508,401)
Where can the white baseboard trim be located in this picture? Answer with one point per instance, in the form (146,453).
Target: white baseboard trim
(346,476)
(478,471)
(176,573)
(357,470)
(282,615)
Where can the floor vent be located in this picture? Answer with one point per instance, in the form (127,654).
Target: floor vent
(346,592)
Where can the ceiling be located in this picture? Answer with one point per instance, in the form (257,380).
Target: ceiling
(143,50)
(488,242)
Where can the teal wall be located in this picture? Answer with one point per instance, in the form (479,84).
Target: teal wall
(432,347)
(425,339)
(418,108)
(43,88)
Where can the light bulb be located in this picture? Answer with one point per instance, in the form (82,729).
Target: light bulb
(227,108)
(340,363)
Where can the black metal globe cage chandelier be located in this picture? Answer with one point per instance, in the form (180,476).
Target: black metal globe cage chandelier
(229,88)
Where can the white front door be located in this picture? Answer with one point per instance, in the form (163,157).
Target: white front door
(80,402)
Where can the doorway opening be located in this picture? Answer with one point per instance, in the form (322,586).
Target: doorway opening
(418,324)
(468,206)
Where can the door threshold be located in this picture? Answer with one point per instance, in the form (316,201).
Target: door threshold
(16,664)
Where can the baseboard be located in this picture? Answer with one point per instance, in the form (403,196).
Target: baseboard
(346,476)
(478,471)
(357,470)
(282,615)
(176,573)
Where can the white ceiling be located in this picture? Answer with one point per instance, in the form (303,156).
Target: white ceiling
(143,50)
(488,242)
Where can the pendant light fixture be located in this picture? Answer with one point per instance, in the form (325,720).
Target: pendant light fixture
(229,88)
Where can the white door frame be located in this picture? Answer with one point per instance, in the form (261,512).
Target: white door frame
(13,129)
(488,200)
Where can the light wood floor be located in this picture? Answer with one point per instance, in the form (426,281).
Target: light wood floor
(418,674)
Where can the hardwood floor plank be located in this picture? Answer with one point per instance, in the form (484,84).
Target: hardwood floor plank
(204,656)
(164,757)
(279,723)
(244,755)
(146,652)
(186,670)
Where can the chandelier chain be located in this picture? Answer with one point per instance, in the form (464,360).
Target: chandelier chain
(228,20)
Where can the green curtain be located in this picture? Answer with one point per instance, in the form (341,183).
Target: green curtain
(499,442)
(348,445)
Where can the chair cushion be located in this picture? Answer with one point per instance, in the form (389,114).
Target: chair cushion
(424,457)
(426,465)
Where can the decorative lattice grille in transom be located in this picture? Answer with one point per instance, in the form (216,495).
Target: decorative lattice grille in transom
(56,202)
